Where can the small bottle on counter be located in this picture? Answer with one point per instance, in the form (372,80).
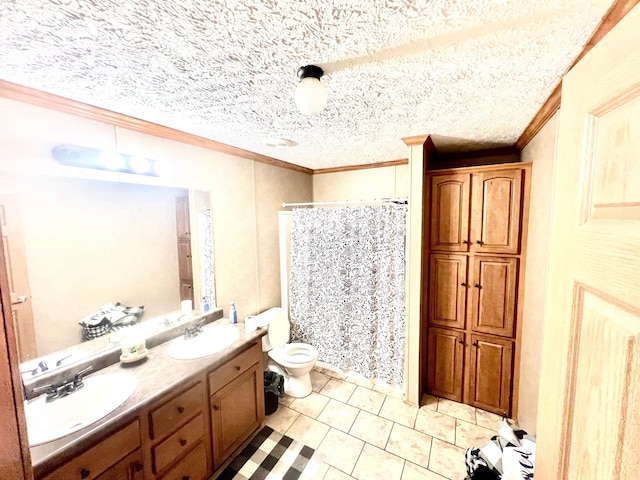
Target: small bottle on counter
(204,305)
(233,315)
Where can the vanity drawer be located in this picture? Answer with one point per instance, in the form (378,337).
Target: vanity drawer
(98,459)
(234,367)
(178,443)
(176,411)
(192,467)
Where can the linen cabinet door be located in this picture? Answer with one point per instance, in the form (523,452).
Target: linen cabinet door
(490,365)
(450,212)
(492,296)
(447,290)
(495,211)
(445,357)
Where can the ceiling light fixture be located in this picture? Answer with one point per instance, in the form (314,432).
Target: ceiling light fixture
(86,157)
(311,96)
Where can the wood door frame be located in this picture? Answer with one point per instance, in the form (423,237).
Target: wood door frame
(15,457)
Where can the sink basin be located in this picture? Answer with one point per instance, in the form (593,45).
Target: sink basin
(211,340)
(101,395)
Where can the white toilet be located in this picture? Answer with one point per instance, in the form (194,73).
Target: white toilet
(297,359)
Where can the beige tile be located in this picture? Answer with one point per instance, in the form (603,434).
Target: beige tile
(398,411)
(470,435)
(338,415)
(429,401)
(322,471)
(318,380)
(341,450)
(281,419)
(366,399)
(436,424)
(308,431)
(488,420)
(286,400)
(414,472)
(372,429)
(359,380)
(409,444)
(335,474)
(376,464)
(447,460)
(389,390)
(338,389)
(310,405)
(458,410)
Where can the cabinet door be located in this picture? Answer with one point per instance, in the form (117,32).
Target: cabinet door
(493,295)
(450,212)
(129,468)
(182,218)
(447,290)
(445,363)
(495,211)
(236,411)
(490,365)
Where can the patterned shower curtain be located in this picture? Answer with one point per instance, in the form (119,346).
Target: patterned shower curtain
(347,287)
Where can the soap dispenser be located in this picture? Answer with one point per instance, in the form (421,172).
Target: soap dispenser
(204,305)
(233,315)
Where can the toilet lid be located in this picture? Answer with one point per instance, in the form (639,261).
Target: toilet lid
(279,328)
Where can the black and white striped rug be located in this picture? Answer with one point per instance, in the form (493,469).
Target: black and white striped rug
(273,456)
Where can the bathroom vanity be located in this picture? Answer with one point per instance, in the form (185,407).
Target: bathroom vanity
(183,421)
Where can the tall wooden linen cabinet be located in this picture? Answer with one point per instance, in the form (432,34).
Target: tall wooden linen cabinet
(474,266)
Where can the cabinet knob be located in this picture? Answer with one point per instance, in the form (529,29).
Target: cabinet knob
(477,285)
(479,242)
(475,344)
(137,467)
(84,473)
(216,408)
(461,341)
(463,284)
(180,409)
(238,367)
(466,242)
(183,442)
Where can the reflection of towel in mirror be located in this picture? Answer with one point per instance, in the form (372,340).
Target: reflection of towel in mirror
(109,318)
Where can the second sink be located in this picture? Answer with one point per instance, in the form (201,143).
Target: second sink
(213,339)
(101,395)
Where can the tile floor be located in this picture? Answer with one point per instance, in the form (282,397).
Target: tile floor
(367,432)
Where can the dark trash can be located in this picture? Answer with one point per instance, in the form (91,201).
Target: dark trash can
(273,389)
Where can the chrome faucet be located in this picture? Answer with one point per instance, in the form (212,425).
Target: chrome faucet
(66,387)
(194,330)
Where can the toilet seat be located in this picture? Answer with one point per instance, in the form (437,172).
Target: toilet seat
(294,354)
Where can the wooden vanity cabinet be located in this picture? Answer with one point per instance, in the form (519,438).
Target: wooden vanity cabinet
(237,402)
(178,435)
(118,457)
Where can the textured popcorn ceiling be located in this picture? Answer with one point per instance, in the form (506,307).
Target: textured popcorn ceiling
(473,72)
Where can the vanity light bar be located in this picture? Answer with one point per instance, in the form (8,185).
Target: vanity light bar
(86,157)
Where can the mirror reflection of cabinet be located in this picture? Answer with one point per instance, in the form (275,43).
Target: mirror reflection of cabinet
(184,248)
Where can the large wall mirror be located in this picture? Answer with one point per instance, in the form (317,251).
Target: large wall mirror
(75,245)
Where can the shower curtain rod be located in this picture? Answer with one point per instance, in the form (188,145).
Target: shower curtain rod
(347,202)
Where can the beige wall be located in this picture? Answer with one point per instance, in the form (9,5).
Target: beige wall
(364,184)
(541,152)
(89,243)
(243,192)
